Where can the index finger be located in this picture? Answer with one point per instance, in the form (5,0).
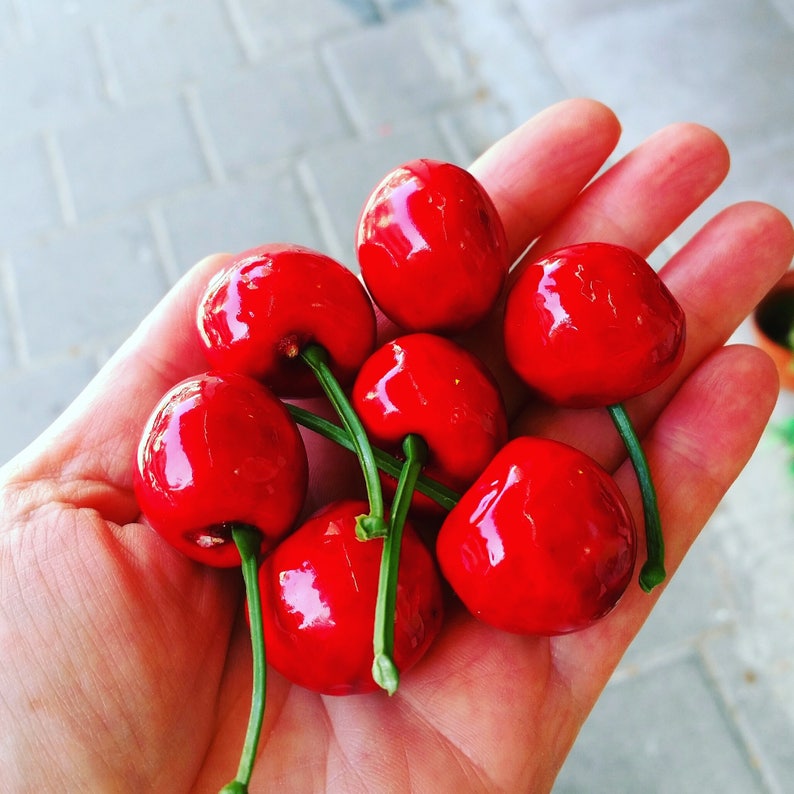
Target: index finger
(536,171)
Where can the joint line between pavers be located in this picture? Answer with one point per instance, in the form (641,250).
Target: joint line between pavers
(107,65)
(209,150)
(63,188)
(11,301)
(325,224)
(242,30)
(162,240)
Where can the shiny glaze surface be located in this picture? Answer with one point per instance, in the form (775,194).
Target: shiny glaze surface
(431,247)
(543,543)
(271,301)
(220,448)
(591,325)
(428,385)
(319,589)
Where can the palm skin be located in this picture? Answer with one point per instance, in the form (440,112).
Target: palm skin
(127,667)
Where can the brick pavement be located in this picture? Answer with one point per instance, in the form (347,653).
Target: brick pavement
(139,136)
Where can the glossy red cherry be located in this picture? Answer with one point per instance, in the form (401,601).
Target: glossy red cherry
(269,303)
(543,543)
(431,387)
(220,449)
(592,325)
(319,589)
(432,249)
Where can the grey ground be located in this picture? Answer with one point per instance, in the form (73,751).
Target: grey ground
(139,135)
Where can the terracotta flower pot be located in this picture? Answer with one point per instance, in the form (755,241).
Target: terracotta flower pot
(773,324)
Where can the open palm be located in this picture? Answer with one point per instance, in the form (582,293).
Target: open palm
(126,667)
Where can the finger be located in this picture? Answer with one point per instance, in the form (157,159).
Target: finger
(696,448)
(718,277)
(646,195)
(533,173)
(638,202)
(722,274)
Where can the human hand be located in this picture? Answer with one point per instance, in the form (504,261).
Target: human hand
(126,667)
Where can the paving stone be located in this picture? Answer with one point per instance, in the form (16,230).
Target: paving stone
(695,601)
(28,200)
(764,171)
(392,73)
(662,61)
(471,128)
(280,107)
(659,61)
(400,6)
(275,26)
(550,17)
(753,694)
(761,498)
(509,60)
(46,16)
(786,9)
(159,46)
(50,81)
(240,215)
(131,155)
(754,529)
(341,176)
(9,23)
(661,732)
(8,358)
(31,399)
(76,289)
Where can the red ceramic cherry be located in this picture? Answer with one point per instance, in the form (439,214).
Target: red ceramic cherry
(432,249)
(219,450)
(543,543)
(319,589)
(427,385)
(592,325)
(270,303)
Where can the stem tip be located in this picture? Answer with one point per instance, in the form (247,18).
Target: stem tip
(369,527)
(235,787)
(385,673)
(651,575)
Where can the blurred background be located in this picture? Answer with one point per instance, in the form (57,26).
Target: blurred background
(138,136)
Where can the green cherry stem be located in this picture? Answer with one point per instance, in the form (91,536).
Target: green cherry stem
(387,463)
(652,572)
(248,540)
(373,525)
(384,670)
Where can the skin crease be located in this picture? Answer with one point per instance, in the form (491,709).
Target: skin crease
(127,667)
